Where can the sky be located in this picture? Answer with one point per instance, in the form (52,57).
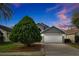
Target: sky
(51,14)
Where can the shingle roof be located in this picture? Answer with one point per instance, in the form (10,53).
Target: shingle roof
(42,24)
(53,29)
(5,28)
(72,31)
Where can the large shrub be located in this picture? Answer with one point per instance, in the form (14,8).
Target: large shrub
(75,18)
(77,39)
(26,32)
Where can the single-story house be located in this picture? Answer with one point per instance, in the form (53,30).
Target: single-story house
(71,33)
(53,35)
(49,34)
(5,31)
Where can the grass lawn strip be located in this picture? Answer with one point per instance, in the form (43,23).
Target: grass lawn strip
(13,47)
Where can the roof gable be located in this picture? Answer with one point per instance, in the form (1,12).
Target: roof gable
(72,31)
(42,26)
(53,29)
(5,28)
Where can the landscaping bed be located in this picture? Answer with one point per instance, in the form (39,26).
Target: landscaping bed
(75,45)
(16,47)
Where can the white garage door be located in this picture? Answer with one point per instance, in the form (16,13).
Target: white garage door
(53,38)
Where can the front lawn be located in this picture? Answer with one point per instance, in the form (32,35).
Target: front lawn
(17,47)
(75,45)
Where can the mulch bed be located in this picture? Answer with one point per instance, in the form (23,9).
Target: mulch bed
(35,47)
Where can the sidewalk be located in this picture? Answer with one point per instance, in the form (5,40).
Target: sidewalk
(38,53)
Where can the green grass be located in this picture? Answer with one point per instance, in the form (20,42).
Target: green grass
(18,47)
(5,47)
(75,45)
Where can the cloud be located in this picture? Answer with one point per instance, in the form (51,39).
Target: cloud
(62,14)
(64,20)
(52,8)
(63,24)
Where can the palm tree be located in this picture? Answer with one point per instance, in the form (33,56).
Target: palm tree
(5,11)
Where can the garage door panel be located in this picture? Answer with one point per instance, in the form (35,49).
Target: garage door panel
(53,38)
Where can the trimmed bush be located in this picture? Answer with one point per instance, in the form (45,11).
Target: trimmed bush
(76,39)
(26,32)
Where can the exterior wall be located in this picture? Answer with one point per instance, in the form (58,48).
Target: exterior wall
(6,35)
(41,28)
(71,37)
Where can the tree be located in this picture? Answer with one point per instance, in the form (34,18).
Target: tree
(75,18)
(26,32)
(5,10)
(75,21)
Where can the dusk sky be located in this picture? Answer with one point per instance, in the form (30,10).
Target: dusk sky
(52,14)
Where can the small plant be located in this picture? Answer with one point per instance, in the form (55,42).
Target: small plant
(26,32)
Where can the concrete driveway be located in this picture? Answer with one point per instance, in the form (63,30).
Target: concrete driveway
(54,49)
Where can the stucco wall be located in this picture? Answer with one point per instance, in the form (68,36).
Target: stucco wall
(71,37)
(5,34)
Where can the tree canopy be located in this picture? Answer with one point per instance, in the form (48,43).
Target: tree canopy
(5,10)
(26,32)
(75,18)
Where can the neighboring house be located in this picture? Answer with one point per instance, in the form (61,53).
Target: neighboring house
(42,26)
(5,30)
(53,35)
(70,34)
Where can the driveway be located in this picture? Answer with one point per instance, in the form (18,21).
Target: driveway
(54,49)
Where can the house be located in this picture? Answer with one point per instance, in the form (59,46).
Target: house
(49,34)
(5,31)
(71,33)
(52,35)
(42,26)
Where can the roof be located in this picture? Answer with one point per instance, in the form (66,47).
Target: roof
(5,28)
(42,24)
(53,29)
(72,31)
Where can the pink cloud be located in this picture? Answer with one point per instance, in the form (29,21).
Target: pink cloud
(62,14)
(64,19)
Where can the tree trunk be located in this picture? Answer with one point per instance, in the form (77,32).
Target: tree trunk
(29,45)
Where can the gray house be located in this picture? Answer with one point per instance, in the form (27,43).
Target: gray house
(52,35)
(5,31)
